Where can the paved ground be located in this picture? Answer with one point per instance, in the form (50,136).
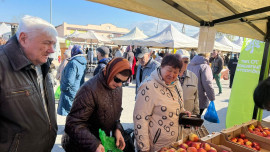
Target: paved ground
(221,104)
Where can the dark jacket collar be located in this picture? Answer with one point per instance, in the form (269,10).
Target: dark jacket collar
(15,54)
(17,58)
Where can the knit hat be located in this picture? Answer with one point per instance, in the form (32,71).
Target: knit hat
(114,67)
(103,50)
(183,53)
(76,50)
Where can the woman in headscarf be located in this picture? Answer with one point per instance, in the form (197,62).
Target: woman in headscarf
(97,105)
(71,79)
(158,106)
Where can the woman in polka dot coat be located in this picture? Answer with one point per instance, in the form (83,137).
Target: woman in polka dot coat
(158,105)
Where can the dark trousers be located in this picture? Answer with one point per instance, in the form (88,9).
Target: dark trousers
(201,111)
(231,80)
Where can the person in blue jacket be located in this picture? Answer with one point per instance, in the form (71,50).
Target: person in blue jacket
(71,80)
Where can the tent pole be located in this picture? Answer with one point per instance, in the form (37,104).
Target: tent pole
(264,62)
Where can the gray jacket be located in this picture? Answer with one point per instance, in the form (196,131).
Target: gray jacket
(199,66)
(147,70)
(24,123)
(190,93)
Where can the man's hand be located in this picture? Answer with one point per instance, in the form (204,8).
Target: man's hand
(100,148)
(120,142)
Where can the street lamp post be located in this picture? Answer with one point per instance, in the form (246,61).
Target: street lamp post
(51,11)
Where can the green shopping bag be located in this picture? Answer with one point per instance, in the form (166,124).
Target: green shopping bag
(57,93)
(108,142)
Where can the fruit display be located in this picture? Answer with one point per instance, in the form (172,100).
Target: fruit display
(259,130)
(242,140)
(192,144)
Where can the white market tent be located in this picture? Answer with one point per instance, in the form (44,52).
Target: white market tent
(128,39)
(225,41)
(217,45)
(90,36)
(239,42)
(4,29)
(170,37)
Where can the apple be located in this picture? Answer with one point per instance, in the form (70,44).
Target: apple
(205,146)
(265,128)
(188,142)
(240,140)
(245,140)
(256,144)
(243,136)
(171,150)
(248,143)
(191,149)
(196,145)
(256,129)
(257,147)
(264,134)
(234,140)
(181,150)
(212,150)
(252,126)
(201,150)
(163,149)
(193,137)
(184,146)
(267,132)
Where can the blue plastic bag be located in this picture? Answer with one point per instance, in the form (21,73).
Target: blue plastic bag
(211,113)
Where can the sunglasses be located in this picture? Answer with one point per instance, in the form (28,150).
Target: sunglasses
(117,80)
(186,62)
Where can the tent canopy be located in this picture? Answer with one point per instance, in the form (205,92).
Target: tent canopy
(127,39)
(4,29)
(250,21)
(90,36)
(225,41)
(239,42)
(170,37)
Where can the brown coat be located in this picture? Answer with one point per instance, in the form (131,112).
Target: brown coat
(95,107)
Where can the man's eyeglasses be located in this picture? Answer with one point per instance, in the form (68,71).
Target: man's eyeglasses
(117,80)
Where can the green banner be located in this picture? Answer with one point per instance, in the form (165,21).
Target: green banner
(241,104)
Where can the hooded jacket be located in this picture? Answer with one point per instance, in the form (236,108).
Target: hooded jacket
(71,80)
(199,66)
(24,123)
(156,113)
(101,64)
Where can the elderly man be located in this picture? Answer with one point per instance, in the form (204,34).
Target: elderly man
(27,111)
(146,67)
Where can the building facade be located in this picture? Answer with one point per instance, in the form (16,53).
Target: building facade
(107,30)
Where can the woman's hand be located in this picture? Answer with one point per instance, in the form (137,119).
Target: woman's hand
(120,142)
(188,113)
(100,148)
